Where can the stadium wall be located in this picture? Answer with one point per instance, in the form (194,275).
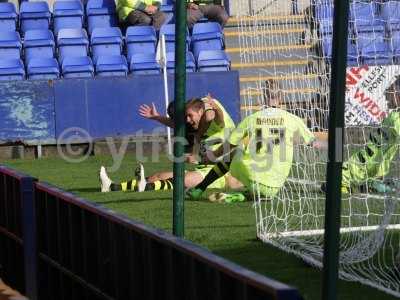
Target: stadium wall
(40,112)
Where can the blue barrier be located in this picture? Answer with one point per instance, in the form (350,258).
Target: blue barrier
(40,111)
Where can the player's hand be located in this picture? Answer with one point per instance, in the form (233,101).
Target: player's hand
(150,9)
(193,6)
(209,102)
(148,112)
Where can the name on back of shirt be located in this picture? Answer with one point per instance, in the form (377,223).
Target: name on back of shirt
(270,121)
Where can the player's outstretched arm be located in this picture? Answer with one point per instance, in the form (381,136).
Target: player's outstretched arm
(151,113)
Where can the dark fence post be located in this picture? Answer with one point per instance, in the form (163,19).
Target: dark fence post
(335,150)
(29,236)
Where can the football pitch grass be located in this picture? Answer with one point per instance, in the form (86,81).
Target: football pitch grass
(227,230)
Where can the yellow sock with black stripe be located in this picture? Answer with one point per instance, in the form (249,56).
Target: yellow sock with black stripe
(125,186)
(219,170)
(159,185)
(133,185)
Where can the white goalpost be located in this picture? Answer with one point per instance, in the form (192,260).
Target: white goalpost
(290,55)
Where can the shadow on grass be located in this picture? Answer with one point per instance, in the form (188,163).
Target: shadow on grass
(114,201)
(221,226)
(84,190)
(141,200)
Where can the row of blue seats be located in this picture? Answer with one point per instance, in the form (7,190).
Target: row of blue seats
(107,65)
(364,16)
(66,14)
(75,42)
(369,51)
(388,29)
(363,13)
(374,34)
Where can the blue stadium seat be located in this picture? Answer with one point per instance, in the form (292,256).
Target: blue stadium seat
(67,14)
(390,11)
(327,46)
(167,7)
(8,16)
(111,65)
(77,67)
(207,36)
(324,11)
(144,63)
(190,62)
(363,13)
(352,52)
(10,44)
(11,69)
(213,60)
(72,42)
(101,13)
(376,51)
(168,30)
(106,41)
(353,57)
(34,15)
(39,43)
(364,38)
(326,27)
(392,28)
(43,68)
(140,39)
(378,29)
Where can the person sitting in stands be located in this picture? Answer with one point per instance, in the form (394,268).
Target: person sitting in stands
(198,9)
(140,12)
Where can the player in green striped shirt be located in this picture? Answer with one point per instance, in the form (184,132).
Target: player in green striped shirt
(259,153)
(212,125)
(370,165)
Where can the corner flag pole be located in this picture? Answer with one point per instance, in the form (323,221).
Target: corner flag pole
(163,62)
(179,116)
(335,150)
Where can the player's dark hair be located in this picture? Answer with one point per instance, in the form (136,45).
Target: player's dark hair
(171,110)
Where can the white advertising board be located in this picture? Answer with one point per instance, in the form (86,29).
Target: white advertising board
(365,93)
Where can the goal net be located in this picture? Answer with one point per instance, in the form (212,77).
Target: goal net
(286,48)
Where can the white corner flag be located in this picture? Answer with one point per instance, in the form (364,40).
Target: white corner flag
(161,57)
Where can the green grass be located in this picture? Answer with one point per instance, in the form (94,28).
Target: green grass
(227,230)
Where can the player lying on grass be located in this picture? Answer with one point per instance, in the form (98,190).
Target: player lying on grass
(370,165)
(211,124)
(259,153)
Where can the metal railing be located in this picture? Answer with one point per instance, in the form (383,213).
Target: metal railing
(85,251)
